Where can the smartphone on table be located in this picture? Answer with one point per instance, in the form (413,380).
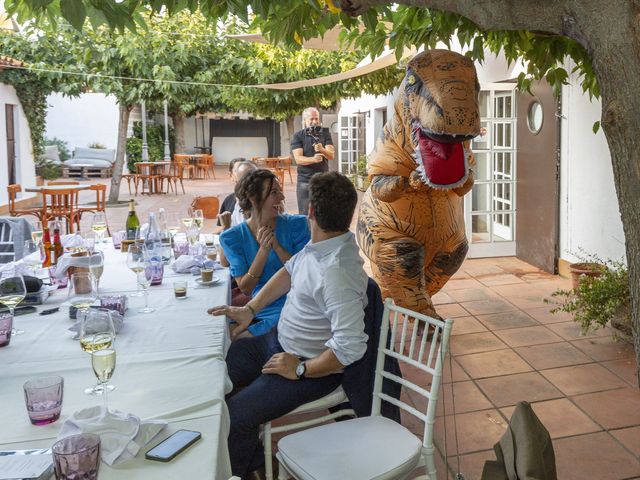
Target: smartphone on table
(172,446)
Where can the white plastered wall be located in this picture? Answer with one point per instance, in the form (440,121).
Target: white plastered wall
(589,213)
(25,168)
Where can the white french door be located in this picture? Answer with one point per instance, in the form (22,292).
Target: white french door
(490,208)
(352,142)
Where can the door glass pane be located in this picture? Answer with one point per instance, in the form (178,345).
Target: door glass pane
(480,197)
(482,168)
(480,228)
(483,103)
(482,142)
(503,227)
(502,165)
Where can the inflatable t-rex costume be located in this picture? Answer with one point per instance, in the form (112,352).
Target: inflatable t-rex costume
(411,223)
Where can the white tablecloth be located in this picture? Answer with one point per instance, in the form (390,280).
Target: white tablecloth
(170,365)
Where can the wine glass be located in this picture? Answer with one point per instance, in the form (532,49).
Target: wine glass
(96,265)
(198,218)
(144,280)
(96,332)
(104,363)
(188,220)
(99,225)
(12,292)
(173,224)
(83,290)
(193,235)
(135,262)
(36,234)
(28,255)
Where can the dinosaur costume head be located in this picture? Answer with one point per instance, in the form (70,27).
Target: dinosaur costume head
(436,109)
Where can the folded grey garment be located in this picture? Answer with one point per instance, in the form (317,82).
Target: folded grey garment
(116,318)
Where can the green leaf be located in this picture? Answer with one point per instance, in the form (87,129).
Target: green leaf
(596,127)
(73,11)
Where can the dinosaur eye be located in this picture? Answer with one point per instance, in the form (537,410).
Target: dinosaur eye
(411,79)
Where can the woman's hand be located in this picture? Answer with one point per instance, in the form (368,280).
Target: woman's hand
(265,237)
(241,315)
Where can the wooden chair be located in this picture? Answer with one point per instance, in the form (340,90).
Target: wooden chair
(13,191)
(101,203)
(185,160)
(146,177)
(286,165)
(275,164)
(173,176)
(61,203)
(131,177)
(206,166)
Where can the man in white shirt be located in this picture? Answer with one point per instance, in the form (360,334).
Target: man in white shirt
(320,331)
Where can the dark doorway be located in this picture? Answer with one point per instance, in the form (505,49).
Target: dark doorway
(538,174)
(269,129)
(11,142)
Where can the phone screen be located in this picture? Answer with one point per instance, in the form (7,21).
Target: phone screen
(172,446)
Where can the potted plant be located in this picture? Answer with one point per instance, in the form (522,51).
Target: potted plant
(362,179)
(599,299)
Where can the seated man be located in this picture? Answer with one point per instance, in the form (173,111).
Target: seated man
(320,331)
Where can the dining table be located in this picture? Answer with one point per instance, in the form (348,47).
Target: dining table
(170,366)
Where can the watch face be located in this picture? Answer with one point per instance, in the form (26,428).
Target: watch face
(300,369)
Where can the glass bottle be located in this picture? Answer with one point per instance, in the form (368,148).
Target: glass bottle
(132,223)
(46,245)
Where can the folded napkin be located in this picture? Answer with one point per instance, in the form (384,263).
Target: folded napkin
(72,240)
(192,264)
(116,318)
(66,261)
(122,435)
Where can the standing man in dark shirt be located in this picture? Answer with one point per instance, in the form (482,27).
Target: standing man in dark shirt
(312,149)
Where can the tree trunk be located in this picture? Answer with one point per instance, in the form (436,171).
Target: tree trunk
(123,124)
(178,125)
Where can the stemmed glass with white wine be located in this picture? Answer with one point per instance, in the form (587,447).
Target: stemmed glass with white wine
(173,223)
(83,290)
(99,225)
(12,292)
(198,218)
(104,363)
(96,265)
(135,262)
(96,332)
(187,220)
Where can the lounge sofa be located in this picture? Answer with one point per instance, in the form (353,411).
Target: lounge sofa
(101,162)
(51,155)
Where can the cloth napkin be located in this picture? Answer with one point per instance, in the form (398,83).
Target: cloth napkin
(72,240)
(18,267)
(122,435)
(193,263)
(66,261)
(116,318)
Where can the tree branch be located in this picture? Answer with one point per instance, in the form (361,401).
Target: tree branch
(540,15)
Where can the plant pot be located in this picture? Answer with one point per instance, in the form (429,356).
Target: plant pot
(589,269)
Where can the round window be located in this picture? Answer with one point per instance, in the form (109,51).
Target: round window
(535,117)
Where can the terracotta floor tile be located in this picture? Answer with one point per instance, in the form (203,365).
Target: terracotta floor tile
(499,279)
(494,305)
(552,355)
(537,277)
(543,315)
(457,284)
(521,290)
(474,343)
(613,408)
(608,459)
(560,417)
(571,331)
(511,389)
(630,438)
(525,336)
(450,364)
(625,369)
(469,294)
(451,310)
(476,431)
(471,464)
(441,298)
(463,325)
(476,270)
(605,348)
(528,302)
(499,321)
(466,396)
(579,379)
(493,364)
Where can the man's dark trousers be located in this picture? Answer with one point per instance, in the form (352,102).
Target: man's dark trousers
(258,398)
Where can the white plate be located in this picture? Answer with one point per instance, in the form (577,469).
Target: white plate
(213,281)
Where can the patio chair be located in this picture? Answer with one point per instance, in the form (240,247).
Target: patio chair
(285,164)
(101,203)
(173,176)
(185,160)
(13,191)
(61,203)
(146,177)
(206,166)
(131,177)
(375,446)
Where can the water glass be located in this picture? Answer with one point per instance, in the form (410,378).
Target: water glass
(212,253)
(180,247)
(77,456)
(43,398)
(117,238)
(114,302)
(180,289)
(155,270)
(6,324)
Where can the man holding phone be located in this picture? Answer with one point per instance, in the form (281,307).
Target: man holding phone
(320,331)
(312,148)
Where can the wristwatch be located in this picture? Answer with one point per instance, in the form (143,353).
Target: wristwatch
(300,370)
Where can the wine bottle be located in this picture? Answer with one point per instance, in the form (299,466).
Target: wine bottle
(132,221)
(46,245)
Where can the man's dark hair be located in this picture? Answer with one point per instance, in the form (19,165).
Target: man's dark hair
(234,161)
(333,198)
(252,186)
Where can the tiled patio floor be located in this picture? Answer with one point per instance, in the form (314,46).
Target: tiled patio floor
(507,347)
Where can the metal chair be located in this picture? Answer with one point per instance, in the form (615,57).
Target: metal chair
(375,446)
(7,253)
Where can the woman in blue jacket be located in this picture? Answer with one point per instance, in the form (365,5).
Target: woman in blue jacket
(258,247)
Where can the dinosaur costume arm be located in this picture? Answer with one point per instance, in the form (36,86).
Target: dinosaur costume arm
(388,188)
